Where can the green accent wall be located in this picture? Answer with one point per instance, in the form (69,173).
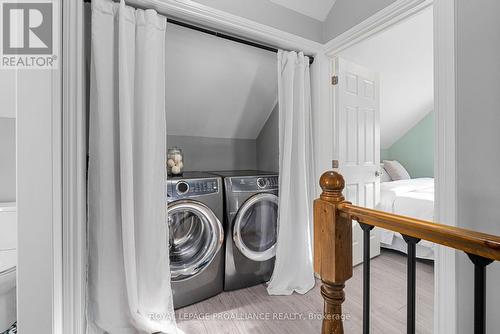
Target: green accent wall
(384,155)
(415,149)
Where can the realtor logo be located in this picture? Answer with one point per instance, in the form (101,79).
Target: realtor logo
(27,34)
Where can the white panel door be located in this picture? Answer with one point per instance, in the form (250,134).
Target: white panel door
(357,119)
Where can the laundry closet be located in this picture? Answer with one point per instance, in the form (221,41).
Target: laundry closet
(229,120)
(222,162)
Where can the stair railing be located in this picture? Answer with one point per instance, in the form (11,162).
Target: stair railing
(333,218)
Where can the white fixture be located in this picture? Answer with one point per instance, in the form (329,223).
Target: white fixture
(8,262)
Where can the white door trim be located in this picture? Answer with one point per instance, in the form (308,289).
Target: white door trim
(203,15)
(445,314)
(74,169)
(390,15)
(73,135)
(445,317)
(39,196)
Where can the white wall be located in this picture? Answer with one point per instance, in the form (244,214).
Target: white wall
(7,159)
(478,121)
(403,56)
(271,14)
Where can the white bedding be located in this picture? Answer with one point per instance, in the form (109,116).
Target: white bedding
(414,198)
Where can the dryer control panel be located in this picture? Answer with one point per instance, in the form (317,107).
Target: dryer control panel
(177,189)
(254,183)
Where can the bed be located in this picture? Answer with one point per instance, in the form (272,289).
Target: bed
(411,197)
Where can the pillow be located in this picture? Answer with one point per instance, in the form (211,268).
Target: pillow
(395,170)
(384,177)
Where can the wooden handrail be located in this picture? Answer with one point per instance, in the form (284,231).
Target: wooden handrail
(469,241)
(333,242)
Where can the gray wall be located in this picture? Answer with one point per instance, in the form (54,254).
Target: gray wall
(268,143)
(271,14)
(7,159)
(8,89)
(345,14)
(478,135)
(206,154)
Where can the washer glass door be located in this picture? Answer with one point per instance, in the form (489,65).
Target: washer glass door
(195,237)
(255,227)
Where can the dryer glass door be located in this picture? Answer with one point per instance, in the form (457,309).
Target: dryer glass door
(195,237)
(255,227)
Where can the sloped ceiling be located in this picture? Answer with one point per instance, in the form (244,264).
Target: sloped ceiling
(403,57)
(217,88)
(317,9)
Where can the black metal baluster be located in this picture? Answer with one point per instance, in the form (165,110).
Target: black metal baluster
(366,277)
(480,264)
(411,283)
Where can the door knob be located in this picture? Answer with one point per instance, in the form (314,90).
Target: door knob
(377,173)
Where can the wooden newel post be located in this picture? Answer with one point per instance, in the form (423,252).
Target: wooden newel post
(332,250)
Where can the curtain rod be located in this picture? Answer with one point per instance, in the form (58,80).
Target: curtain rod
(224,36)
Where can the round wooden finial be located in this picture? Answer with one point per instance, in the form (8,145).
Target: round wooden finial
(332,184)
(331,181)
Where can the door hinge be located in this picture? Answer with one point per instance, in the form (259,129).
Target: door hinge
(335,80)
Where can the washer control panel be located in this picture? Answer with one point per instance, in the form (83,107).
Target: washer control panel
(177,189)
(254,183)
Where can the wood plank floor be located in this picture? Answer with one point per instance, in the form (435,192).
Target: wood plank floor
(252,310)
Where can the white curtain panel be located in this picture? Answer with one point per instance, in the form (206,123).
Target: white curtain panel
(129,276)
(293,270)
